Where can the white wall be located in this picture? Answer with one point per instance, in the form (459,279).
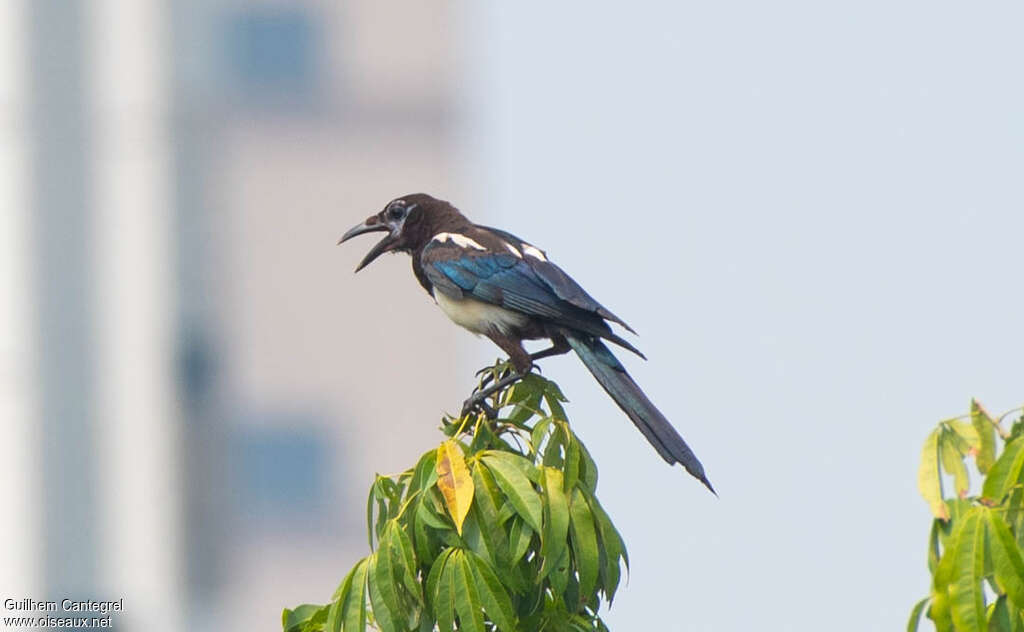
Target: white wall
(19,467)
(139,519)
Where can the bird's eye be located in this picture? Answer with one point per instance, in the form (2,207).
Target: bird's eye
(396,212)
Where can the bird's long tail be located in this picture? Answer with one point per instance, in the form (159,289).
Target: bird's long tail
(616,382)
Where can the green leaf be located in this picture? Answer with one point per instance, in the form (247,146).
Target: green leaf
(439,592)
(386,494)
(493,596)
(526,408)
(915,615)
(516,487)
(517,461)
(944,570)
(476,538)
(519,538)
(573,458)
(611,547)
(467,597)
(953,463)
(346,584)
(486,510)
(304,617)
(559,575)
(1003,618)
(540,433)
(425,539)
(1015,514)
(933,545)
(434,575)
(445,603)
(967,595)
(1007,560)
(938,612)
(349,600)
(552,390)
(523,389)
(584,543)
(1005,472)
(588,469)
(571,592)
(372,497)
(354,610)
(551,397)
(986,429)
(488,496)
(384,593)
(425,474)
(405,556)
(556,523)
(554,448)
(334,617)
(1017,429)
(928,481)
(432,511)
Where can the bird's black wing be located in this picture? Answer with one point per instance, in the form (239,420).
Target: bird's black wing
(501,278)
(563,285)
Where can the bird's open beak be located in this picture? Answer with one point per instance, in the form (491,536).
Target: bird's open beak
(371,225)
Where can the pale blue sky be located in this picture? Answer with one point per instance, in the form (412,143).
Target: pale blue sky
(813,214)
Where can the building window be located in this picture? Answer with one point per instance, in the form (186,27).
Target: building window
(273,55)
(281,473)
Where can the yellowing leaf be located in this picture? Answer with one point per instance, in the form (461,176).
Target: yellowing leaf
(953,463)
(454,481)
(928,481)
(986,429)
(968,435)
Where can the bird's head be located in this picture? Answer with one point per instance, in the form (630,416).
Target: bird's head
(409,221)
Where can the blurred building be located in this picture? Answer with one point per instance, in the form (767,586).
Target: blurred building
(196,390)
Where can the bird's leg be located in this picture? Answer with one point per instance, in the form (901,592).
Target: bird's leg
(559,346)
(521,360)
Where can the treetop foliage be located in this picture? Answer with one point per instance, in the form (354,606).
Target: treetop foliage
(498,528)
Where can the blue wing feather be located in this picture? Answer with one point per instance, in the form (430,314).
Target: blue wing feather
(461,275)
(563,285)
(517,284)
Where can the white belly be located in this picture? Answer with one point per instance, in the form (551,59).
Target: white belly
(477,316)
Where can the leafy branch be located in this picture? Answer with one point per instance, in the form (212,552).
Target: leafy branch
(975,545)
(498,528)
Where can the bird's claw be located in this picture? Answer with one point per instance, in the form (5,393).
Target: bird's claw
(490,369)
(504,371)
(476,402)
(492,383)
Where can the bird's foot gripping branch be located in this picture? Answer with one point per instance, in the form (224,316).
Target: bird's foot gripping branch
(498,528)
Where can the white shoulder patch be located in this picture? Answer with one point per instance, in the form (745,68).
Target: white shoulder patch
(513,249)
(533,252)
(461,240)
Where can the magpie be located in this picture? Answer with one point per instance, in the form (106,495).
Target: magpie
(495,284)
